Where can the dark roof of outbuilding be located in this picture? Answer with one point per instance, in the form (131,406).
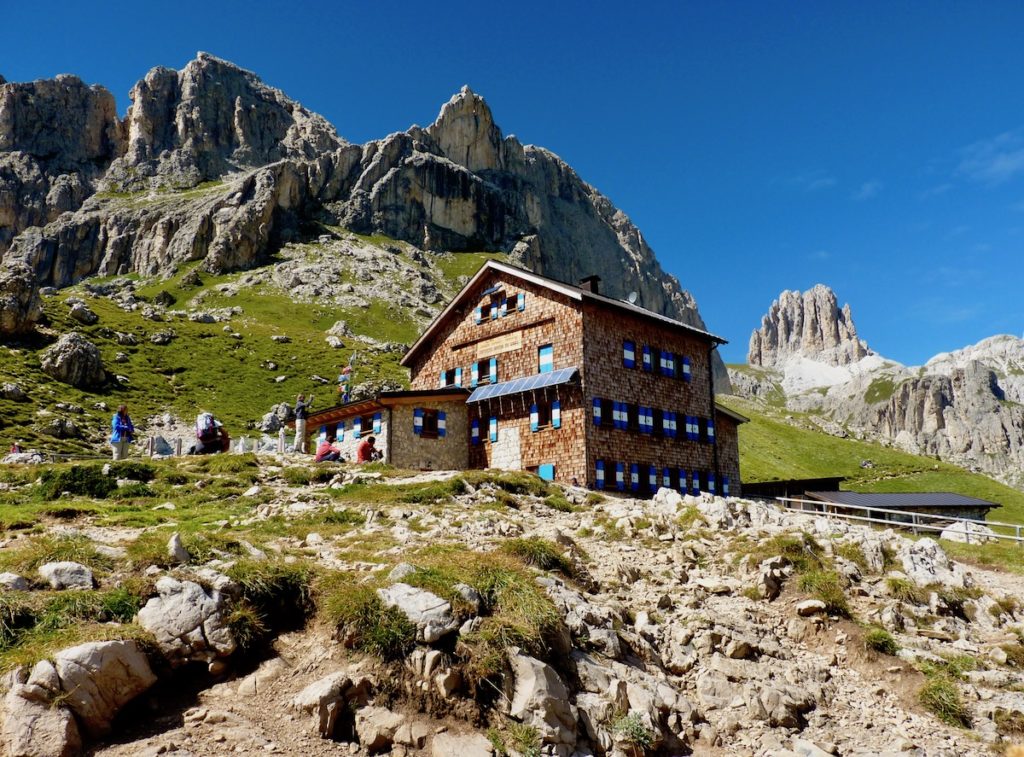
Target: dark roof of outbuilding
(573,292)
(896,500)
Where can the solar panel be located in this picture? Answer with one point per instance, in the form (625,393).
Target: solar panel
(515,386)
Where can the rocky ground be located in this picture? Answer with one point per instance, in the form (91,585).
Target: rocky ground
(496,612)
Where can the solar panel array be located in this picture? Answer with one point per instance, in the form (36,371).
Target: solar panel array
(515,386)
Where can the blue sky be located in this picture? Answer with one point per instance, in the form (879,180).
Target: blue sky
(874,147)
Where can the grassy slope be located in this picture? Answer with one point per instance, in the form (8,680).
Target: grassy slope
(205,368)
(771,449)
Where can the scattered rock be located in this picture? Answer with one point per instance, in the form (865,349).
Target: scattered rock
(66,575)
(431,615)
(13,582)
(187,621)
(81,313)
(176,550)
(74,360)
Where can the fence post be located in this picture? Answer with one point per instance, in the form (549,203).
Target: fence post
(913,523)
(967,532)
(1019,542)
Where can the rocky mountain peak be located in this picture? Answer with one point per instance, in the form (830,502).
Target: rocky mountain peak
(466,133)
(809,325)
(212,118)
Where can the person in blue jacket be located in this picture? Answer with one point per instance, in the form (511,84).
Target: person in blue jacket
(123,432)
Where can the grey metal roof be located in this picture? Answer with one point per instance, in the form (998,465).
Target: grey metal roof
(896,500)
(537,381)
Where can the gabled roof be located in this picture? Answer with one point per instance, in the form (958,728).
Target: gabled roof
(731,414)
(570,291)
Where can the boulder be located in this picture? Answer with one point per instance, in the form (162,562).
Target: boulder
(376,728)
(13,582)
(35,728)
(324,699)
(925,562)
(539,698)
(66,575)
(74,360)
(466,745)
(99,678)
(810,607)
(431,615)
(13,392)
(176,550)
(81,313)
(20,304)
(187,622)
(970,533)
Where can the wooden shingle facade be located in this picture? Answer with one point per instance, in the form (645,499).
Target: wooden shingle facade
(580,387)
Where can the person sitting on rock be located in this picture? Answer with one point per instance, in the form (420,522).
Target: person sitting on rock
(327,452)
(366,452)
(16,447)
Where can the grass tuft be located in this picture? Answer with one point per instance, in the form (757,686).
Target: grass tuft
(941,696)
(827,586)
(880,640)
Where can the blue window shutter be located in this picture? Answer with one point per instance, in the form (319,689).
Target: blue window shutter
(545,359)
(474,431)
(474,375)
(616,414)
(533,418)
(546,472)
(357,428)
(441,419)
(652,477)
(417,420)
(711,430)
(666,425)
(725,486)
(620,476)
(478,315)
(494,313)
(695,480)
(492,370)
(682,480)
(711,483)
(648,360)
(323,433)
(597,411)
(628,354)
(666,478)
(599,474)
(634,476)
(492,429)
(521,301)
(687,372)
(556,414)
(377,418)
(340,433)
(442,383)
(504,307)
(458,377)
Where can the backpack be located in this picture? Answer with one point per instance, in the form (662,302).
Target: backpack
(206,427)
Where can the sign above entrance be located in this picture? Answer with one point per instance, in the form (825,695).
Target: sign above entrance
(504,343)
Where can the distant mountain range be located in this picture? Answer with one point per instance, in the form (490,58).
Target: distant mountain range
(965,406)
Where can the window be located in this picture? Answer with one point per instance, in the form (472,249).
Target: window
(628,354)
(604,413)
(484,372)
(632,417)
(429,424)
(545,359)
(659,422)
(366,425)
(451,377)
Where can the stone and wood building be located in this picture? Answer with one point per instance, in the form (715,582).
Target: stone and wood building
(523,372)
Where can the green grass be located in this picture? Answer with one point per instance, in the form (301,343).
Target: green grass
(773,449)
(827,586)
(941,696)
(880,640)
(880,390)
(457,264)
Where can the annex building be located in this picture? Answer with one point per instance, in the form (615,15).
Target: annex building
(523,372)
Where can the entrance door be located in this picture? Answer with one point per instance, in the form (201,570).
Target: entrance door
(505,453)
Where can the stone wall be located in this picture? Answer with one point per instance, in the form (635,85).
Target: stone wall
(604,376)
(348,443)
(410,450)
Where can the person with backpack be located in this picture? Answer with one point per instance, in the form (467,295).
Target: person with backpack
(211,436)
(301,413)
(122,432)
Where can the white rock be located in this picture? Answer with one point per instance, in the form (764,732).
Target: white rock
(468,745)
(66,575)
(32,728)
(810,607)
(971,533)
(13,582)
(252,491)
(176,550)
(376,727)
(99,678)
(187,622)
(539,698)
(431,615)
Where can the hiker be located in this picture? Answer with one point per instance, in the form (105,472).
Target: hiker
(16,447)
(366,452)
(123,432)
(211,436)
(301,413)
(327,452)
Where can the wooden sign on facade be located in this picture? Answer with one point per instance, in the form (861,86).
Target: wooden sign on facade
(499,344)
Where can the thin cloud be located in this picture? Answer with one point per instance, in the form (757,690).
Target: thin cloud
(812,181)
(995,160)
(820,255)
(942,312)
(938,189)
(868,190)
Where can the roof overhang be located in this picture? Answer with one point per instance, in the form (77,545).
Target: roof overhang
(390,399)
(723,410)
(897,500)
(567,290)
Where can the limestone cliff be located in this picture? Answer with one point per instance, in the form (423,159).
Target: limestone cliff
(808,325)
(211,164)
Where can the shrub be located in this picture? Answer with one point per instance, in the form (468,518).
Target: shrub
(134,470)
(880,640)
(433,492)
(941,696)
(690,516)
(1014,654)
(1009,723)
(828,587)
(132,491)
(78,480)
(344,517)
(632,730)
(296,476)
(514,482)
(557,501)
(851,552)
(800,550)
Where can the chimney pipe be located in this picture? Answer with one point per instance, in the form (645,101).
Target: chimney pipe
(590,283)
